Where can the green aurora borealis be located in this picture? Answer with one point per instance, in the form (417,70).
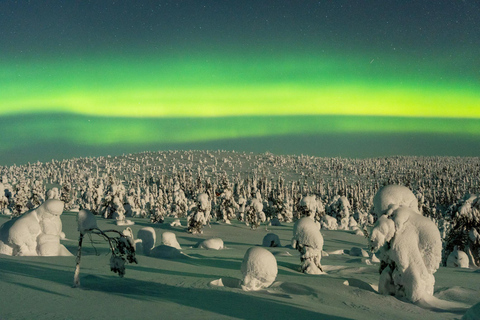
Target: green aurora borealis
(200,88)
(209,85)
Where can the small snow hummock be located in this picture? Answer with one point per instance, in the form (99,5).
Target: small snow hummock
(410,250)
(259,269)
(176,223)
(147,238)
(308,240)
(457,259)
(271,240)
(86,221)
(35,233)
(211,244)
(169,239)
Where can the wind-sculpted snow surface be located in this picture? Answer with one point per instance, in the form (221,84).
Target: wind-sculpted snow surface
(410,250)
(35,233)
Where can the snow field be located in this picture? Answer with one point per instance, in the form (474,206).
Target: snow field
(179,287)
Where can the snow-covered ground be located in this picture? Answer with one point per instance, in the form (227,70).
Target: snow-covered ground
(188,286)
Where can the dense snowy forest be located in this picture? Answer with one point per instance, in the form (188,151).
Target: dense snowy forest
(252,188)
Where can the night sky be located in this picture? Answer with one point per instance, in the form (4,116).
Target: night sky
(326,78)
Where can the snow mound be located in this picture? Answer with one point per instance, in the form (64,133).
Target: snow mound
(35,233)
(212,244)
(457,259)
(176,223)
(86,221)
(259,269)
(392,196)
(271,240)
(275,222)
(148,239)
(169,239)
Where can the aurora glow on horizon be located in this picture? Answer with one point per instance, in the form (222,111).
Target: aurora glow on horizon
(365,68)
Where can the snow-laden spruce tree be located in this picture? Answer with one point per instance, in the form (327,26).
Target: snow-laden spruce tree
(254,212)
(20,199)
(409,248)
(179,206)
(340,208)
(38,193)
(200,214)
(66,195)
(226,209)
(308,240)
(464,231)
(112,205)
(4,200)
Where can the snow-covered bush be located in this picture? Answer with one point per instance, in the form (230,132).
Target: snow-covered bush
(35,233)
(457,259)
(308,240)
(271,240)
(259,269)
(200,214)
(409,247)
(464,233)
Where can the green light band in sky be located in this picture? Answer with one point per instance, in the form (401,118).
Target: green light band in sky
(219,86)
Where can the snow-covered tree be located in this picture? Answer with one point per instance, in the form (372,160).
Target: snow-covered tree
(3,200)
(226,209)
(339,208)
(20,199)
(200,214)
(410,250)
(464,233)
(179,205)
(254,212)
(308,240)
(66,195)
(38,193)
